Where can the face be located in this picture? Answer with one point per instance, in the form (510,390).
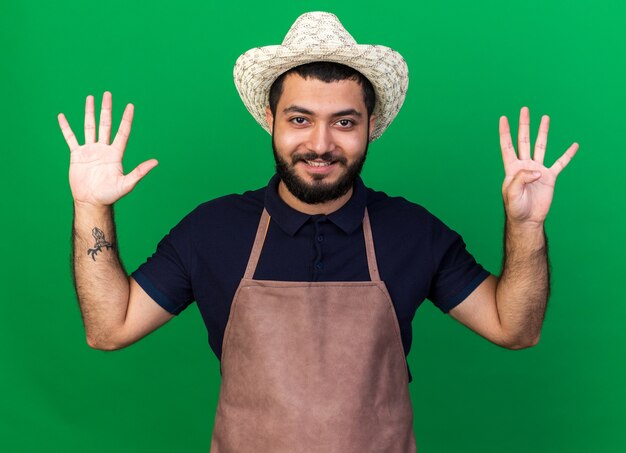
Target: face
(319,135)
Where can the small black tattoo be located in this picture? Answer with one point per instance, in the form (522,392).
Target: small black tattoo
(100,242)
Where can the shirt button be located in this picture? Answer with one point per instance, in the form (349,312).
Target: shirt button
(320,238)
(319,266)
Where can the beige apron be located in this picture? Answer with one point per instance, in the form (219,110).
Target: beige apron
(313,366)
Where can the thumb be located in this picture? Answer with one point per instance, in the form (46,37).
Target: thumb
(141,170)
(521,178)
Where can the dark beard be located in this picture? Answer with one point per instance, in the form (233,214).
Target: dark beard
(318,191)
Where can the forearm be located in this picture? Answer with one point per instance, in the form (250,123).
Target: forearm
(101,282)
(524,285)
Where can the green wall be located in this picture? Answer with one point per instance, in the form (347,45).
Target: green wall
(469,63)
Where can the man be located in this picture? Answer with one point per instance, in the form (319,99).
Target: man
(308,286)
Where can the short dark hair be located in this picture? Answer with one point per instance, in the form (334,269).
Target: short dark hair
(326,71)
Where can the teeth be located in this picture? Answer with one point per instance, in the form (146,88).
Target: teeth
(313,163)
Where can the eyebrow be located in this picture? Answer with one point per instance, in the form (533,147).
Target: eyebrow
(298,109)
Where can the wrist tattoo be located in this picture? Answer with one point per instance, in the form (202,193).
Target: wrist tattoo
(98,235)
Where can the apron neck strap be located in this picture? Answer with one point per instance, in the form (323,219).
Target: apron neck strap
(261,232)
(369,248)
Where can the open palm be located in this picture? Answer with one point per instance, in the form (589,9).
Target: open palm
(96,173)
(528,186)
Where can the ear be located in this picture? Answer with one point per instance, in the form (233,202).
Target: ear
(372,124)
(270,119)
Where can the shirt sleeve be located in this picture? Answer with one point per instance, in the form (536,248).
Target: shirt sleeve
(165,275)
(457,274)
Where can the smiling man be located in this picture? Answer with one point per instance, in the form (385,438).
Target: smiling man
(308,286)
(320,132)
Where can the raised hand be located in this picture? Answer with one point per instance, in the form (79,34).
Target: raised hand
(528,185)
(96,174)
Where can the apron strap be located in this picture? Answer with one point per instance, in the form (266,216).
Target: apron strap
(261,232)
(369,248)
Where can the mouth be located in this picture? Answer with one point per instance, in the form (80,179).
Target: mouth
(317,163)
(318,168)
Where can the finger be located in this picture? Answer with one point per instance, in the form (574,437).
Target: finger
(121,138)
(141,170)
(542,140)
(90,121)
(506,144)
(104,133)
(523,134)
(565,159)
(68,134)
(515,188)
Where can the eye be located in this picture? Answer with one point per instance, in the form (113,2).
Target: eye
(299,120)
(345,123)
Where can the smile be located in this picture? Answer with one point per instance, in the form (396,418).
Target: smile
(314,163)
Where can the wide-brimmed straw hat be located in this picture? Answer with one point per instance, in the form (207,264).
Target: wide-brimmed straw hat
(319,36)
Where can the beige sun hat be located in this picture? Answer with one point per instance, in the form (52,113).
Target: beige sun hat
(319,36)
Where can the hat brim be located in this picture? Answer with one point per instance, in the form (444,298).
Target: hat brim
(256,70)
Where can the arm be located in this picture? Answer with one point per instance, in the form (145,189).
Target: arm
(116,311)
(509,310)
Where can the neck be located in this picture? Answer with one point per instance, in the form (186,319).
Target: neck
(312,209)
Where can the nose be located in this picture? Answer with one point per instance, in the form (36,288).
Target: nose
(321,139)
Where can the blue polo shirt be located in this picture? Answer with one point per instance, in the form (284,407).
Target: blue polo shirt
(204,257)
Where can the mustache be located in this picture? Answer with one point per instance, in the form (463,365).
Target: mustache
(328,156)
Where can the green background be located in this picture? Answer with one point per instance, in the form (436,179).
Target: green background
(469,63)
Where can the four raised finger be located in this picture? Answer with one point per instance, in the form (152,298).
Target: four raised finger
(542,140)
(565,159)
(523,134)
(506,144)
(104,132)
(90,121)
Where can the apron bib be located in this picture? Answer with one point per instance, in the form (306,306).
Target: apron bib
(313,366)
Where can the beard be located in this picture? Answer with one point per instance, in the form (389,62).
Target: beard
(318,191)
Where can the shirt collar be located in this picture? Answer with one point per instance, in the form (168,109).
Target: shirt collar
(348,218)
